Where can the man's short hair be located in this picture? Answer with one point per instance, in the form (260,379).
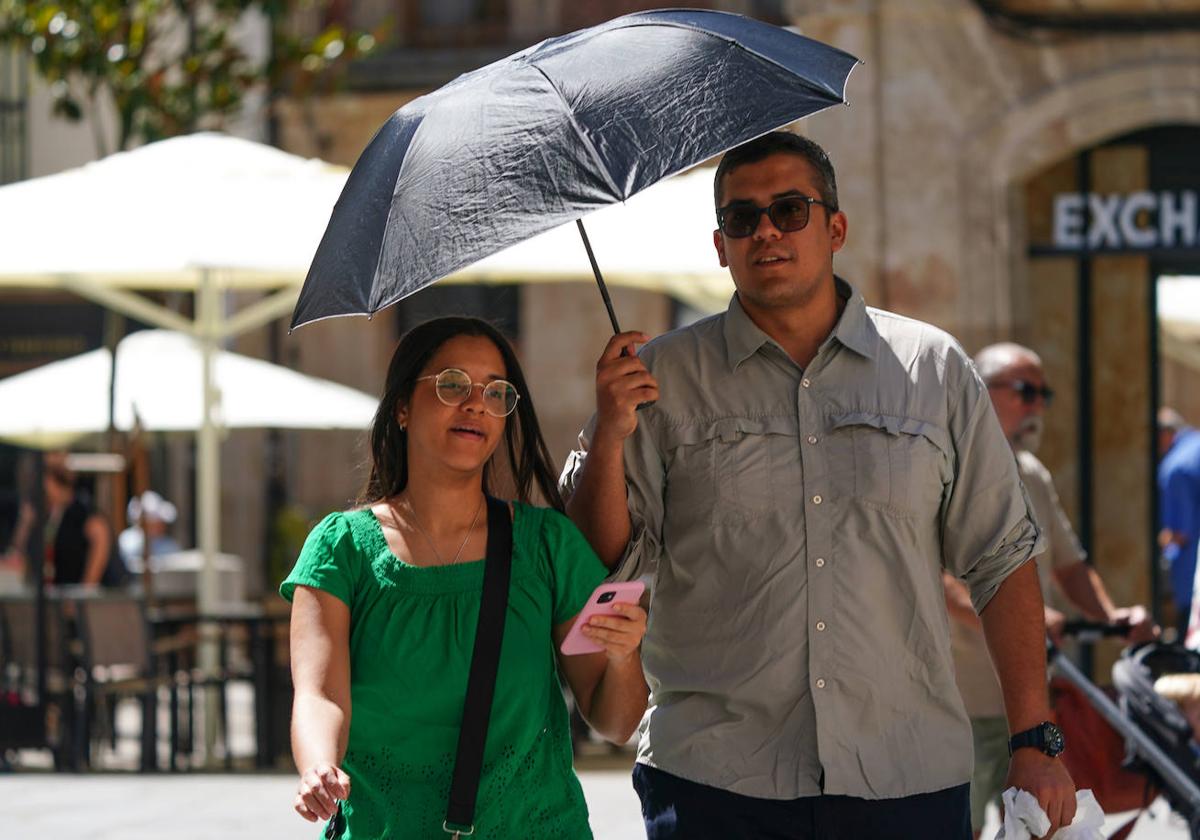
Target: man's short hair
(781,142)
(995,359)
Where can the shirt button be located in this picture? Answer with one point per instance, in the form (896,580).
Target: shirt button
(805,382)
(812,438)
(817,500)
(820,626)
(820,562)
(820,683)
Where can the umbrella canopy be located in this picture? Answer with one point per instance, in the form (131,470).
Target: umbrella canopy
(546,136)
(660,240)
(158,386)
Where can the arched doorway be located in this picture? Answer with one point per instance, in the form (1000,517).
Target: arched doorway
(1101,227)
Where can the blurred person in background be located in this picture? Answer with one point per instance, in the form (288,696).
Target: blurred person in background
(1017,386)
(78,541)
(153,513)
(1179,507)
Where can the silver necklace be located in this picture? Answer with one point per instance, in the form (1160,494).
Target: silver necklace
(470,529)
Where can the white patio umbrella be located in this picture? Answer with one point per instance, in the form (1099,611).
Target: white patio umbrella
(659,240)
(204,213)
(159,386)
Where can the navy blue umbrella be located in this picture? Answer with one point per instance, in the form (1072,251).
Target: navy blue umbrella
(547,135)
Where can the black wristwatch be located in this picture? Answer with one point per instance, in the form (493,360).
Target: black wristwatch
(1045,736)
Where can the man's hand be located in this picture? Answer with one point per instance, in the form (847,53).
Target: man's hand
(1141,625)
(622,384)
(1048,781)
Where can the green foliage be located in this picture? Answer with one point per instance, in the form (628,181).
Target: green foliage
(171,66)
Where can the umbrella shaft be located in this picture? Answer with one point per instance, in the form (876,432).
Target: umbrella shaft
(612,316)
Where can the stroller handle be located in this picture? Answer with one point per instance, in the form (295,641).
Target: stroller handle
(1090,631)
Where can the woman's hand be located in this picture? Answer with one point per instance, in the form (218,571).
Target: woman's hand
(321,787)
(618,634)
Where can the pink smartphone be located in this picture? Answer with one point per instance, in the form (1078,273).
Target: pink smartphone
(600,602)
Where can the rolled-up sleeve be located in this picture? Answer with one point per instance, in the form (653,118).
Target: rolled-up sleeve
(644,486)
(988,526)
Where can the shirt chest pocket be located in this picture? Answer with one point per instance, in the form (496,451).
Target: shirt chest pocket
(899,464)
(734,469)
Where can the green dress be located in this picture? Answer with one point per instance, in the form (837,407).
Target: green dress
(412,630)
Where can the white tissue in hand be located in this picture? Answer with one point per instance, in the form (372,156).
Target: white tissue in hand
(1024,818)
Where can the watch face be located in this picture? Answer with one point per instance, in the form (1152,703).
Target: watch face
(1053,742)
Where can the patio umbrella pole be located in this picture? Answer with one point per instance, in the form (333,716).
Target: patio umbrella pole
(612,316)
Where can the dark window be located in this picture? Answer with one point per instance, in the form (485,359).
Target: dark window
(455,23)
(1028,17)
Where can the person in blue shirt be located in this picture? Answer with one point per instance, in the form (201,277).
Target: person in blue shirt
(1179,505)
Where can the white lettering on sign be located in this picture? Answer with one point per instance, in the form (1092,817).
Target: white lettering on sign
(1177,215)
(1137,221)
(1068,220)
(1103,232)
(1138,237)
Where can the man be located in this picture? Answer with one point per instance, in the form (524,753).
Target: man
(1017,386)
(809,467)
(1179,501)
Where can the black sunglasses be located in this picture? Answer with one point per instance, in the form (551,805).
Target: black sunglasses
(739,219)
(1028,392)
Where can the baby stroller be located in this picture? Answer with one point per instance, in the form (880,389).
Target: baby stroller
(1158,738)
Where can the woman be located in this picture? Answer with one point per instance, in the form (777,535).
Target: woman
(386,598)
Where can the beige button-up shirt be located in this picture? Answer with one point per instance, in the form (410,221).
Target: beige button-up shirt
(796,523)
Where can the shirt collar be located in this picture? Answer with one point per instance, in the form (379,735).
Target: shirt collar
(854,329)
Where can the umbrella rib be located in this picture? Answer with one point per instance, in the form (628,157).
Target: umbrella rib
(591,149)
(729,39)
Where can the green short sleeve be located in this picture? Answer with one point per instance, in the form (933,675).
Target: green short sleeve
(328,561)
(574,568)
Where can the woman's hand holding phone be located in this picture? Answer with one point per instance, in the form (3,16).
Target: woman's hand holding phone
(611,622)
(619,634)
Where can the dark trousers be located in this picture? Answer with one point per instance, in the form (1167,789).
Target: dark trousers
(676,809)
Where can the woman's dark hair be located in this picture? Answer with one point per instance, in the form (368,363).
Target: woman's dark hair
(527,454)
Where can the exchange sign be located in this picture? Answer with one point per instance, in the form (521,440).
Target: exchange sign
(1137,221)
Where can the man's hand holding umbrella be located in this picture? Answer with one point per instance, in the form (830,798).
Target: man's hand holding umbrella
(622,384)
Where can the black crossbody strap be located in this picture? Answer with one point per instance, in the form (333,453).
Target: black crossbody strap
(485,663)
